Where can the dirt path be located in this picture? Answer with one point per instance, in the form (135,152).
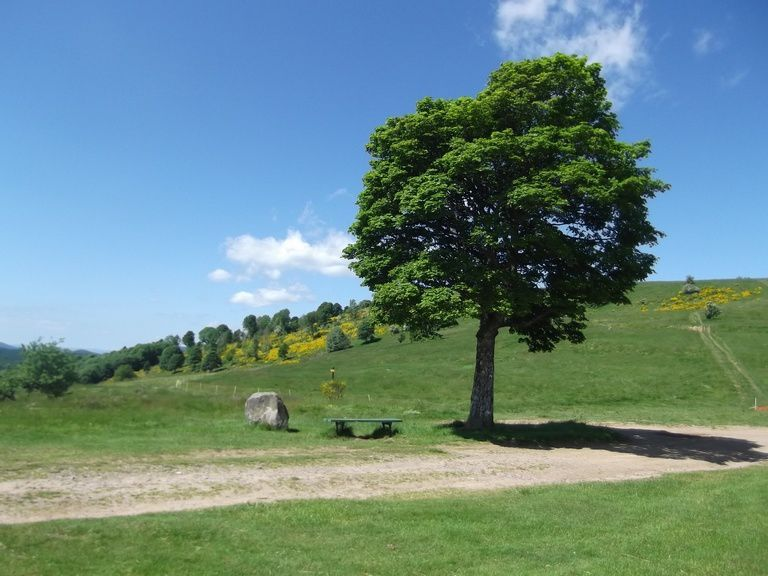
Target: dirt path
(724,356)
(137,488)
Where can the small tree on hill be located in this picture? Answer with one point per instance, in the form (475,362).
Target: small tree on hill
(172,358)
(211,361)
(520,208)
(46,368)
(336,340)
(711,311)
(194,358)
(366,330)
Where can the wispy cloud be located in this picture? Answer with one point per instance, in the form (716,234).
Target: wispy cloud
(263,297)
(272,256)
(309,221)
(705,43)
(735,78)
(610,33)
(338,193)
(219,275)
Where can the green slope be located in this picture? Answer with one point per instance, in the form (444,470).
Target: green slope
(637,365)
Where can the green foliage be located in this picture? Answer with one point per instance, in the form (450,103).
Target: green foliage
(282,352)
(366,330)
(211,361)
(124,372)
(712,311)
(171,358)
(9,384)
(520,208)
(188,339)
(46,368)
(98,368)
(208,336)
(333,389)
(252,349)
(251,325)
(326,311)
(281,321)
(194,358)
(336,340)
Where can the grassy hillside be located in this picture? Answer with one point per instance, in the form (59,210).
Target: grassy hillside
(639,364)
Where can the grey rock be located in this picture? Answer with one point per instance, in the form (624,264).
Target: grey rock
(267,409)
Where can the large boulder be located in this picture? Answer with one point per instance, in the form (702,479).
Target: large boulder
(267,409)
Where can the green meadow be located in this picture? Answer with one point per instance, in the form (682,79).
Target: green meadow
(639,364)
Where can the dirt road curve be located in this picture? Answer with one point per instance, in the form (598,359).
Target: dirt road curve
(232,478)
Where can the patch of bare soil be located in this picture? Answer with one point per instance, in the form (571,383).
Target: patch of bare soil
(230,478)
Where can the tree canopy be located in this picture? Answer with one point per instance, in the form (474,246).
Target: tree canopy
(47,368)
(519,207)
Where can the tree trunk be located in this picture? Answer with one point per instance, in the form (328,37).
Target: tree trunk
(481,407)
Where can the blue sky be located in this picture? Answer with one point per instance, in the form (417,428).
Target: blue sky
(170,165)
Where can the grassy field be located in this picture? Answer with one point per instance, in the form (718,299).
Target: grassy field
(704,524)
(639,364)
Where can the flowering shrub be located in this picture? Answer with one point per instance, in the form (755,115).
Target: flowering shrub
(708,294)
(333,389)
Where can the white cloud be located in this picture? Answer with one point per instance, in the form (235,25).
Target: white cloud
(271,256)
(219,275)
(705,43)
(610,33)
(271,296)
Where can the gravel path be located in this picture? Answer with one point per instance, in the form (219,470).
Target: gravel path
(137,488)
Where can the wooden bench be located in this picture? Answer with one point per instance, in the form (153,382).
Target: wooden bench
(341,423)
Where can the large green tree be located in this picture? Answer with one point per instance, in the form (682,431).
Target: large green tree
(519,207)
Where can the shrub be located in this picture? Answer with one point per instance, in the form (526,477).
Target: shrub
(712,311)
(336,340)
(8,385)
(333,389)
(366,330)
(282,352)
(124,372)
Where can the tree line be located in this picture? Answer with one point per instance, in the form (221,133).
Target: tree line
(52,370)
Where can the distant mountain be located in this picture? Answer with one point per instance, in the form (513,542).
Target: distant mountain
(9,356)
